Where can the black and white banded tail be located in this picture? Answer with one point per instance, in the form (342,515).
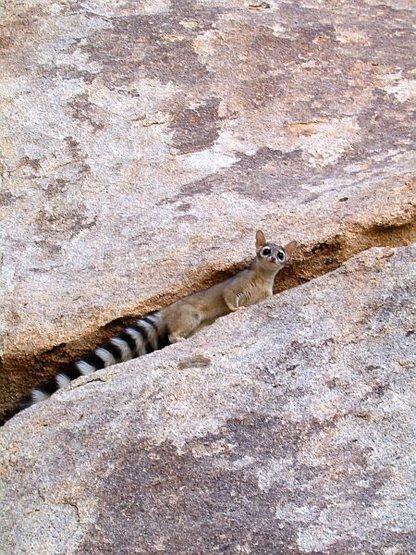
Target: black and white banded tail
(146,335)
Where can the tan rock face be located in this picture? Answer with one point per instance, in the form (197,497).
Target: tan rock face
(284,428)
(144,142)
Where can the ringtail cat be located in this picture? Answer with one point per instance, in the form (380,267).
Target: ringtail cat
(179,320)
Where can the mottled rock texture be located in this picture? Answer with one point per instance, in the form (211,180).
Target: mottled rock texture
(288,427)
(143,143)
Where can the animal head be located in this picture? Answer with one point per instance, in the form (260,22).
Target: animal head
(272,256)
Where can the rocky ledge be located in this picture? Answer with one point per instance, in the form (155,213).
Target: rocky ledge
(143,143)
(287,427)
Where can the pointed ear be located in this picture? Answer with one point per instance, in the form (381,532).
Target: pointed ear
(260,239)
(290,249)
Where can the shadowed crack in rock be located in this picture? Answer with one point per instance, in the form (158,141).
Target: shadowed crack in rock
(275,115)
(310,262)
(288,427)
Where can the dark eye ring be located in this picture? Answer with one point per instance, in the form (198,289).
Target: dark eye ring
(266,251)
(281,255)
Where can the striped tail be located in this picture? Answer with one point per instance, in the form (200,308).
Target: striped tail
(146,335)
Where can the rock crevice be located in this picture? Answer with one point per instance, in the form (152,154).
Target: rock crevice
(292,118)
(313,259)
(287,427)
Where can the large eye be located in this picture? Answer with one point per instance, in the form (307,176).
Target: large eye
(266,251)
(281,255)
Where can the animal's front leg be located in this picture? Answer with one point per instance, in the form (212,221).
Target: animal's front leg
(233,300)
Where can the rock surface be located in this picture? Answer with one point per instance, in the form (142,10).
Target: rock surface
(288,427)
(143,143)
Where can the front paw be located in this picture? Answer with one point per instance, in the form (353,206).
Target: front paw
(235,308)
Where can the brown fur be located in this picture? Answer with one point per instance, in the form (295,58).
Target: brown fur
(248,287)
